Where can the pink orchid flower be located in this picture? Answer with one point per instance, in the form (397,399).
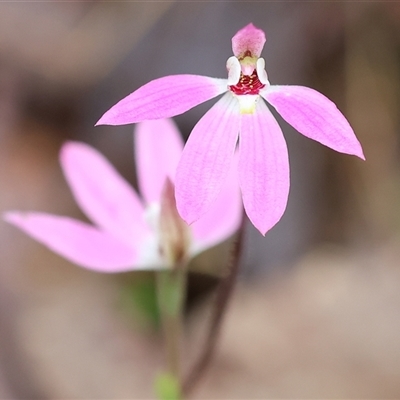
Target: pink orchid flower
(127,234)
(240,115)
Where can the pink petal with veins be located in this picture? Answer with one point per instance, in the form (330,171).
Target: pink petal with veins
(164,97)
(80,243)
(315,116)
(263,168)
(207,159)
(158,148)
(250,39)
(101,192)
(224,216)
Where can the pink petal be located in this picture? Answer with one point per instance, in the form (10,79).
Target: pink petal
(164,97)
(263,168)
(105,197)
(224,216)
(207,158)
(78,242)
(315,116)
(158,148)
(250,39)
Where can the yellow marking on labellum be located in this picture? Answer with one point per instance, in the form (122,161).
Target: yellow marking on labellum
(247,103)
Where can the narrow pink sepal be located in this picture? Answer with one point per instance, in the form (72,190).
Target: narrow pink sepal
(263,168)
(315,116)
(224,216)
(207,158)
(164,97)
(101,192)
(78,242)
(250,39)
(158,148)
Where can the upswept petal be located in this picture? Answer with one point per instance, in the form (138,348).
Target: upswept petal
(250,39)
(263,168)
(78,242)
(101,192)
(207,158)
(164,97)
(224,216)
(158,148)
(315,116)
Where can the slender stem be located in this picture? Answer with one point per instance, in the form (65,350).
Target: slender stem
(171,290)
(223,295)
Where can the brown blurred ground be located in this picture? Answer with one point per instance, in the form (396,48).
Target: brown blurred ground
(324,322)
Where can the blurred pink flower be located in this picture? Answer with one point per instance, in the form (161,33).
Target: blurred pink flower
(239,114)
(129,235)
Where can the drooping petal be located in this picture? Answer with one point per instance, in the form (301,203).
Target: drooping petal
(223,218)
(162,98)
(78,242)
(315,116)
(207,158)
(263,168)
(101,192)
(158,148)
(250,39)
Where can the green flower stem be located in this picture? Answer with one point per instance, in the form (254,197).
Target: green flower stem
(171,292)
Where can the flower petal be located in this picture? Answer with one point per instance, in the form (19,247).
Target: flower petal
(105,197)
(315,116)
(158,148)
(263,168)
(78,242)
(224,216)
(234,70)
(207,158)
(250,39)
(164,97)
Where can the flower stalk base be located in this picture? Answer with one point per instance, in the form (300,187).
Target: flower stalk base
(171,292)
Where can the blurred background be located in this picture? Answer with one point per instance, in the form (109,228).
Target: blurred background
(317,309)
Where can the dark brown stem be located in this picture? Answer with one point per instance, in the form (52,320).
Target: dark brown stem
(223,295)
